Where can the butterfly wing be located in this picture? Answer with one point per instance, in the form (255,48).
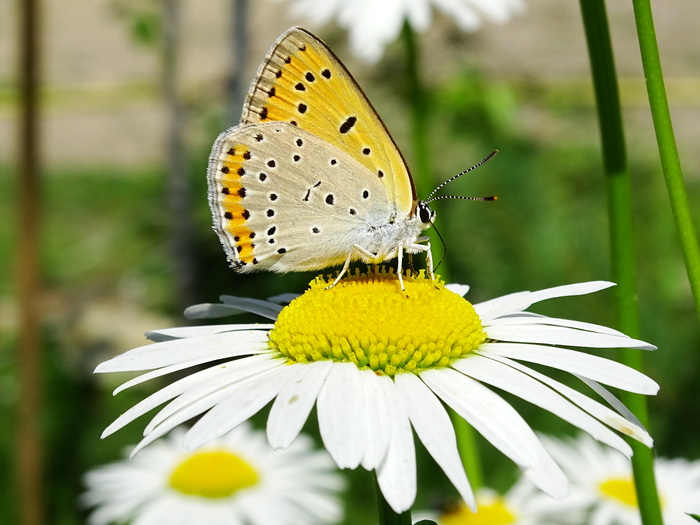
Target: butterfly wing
(284,199)
(302,82)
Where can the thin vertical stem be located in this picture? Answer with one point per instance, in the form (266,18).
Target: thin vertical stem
(239,47)
(665,138)
(29,443)
(178,186)
(420,112)
(621,230)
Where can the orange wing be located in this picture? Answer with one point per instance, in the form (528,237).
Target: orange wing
(302,82)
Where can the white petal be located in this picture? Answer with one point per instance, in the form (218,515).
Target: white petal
(490,415)
(254,306)
(170,391)
(519,301)
(498,422)
(396,476)
(547,475)
(597,410)
(156,355)
(245,399)
(283,298)
(378,419)
(204,395)
(160,372)
(611,399)
(435,430)
(459,289)
(182,332)
(555,335)
(463,14)
(597,368)
(294,402)
(237,391)
(341,410)
(529,318)
(510,380)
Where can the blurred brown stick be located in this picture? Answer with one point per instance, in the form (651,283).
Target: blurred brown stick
(29,449)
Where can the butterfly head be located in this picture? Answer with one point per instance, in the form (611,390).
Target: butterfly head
(425,214)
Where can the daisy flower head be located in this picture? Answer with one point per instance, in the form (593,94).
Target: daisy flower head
(523,504)
(604,477)
(371,25)
(234,480)
(376,362)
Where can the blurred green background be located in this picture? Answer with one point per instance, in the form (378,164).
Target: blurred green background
(108,270)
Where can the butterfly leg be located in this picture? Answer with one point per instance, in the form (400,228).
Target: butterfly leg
(428,253)
(399,265)
(429,257)
(346,265)
(366,253)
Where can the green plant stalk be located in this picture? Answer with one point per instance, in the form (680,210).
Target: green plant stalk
(387,515)
(621,231)
(670,162)
(422,176)
(420,113)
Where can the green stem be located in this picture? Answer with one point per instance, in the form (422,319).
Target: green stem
(666,141)
(621,231)
(468,450)
(387,515)
(420,111)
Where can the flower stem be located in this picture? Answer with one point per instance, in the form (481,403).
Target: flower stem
(420,111)
(621,230)
(670,162)
(468,450)
(387,515)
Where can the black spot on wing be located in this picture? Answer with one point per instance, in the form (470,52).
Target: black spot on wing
(348,124)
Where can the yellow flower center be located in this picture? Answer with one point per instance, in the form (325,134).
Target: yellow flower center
(366,319)
(495,511)
(620,489)
(213,474)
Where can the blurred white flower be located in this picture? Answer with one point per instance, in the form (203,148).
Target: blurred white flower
(604,477)
(523,504)
(372,24)
(235,480)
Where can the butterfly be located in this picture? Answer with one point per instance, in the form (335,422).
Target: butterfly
(311,177)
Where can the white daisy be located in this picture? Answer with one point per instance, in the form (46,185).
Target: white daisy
(605,477)
(234,480)
(376,361)
(373,24)
(521,505)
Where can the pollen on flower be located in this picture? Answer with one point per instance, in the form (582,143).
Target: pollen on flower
(212,474)
(366,319)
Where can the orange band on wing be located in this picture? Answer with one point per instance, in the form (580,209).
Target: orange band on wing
(233,192)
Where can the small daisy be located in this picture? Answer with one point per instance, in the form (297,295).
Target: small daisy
(521,505)
(376,361)
(372,25)
(605,477)
(234,480)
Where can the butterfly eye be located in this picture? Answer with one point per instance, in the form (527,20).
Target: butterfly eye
(425,213)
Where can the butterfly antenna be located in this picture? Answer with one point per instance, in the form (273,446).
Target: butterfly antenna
(492,198)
